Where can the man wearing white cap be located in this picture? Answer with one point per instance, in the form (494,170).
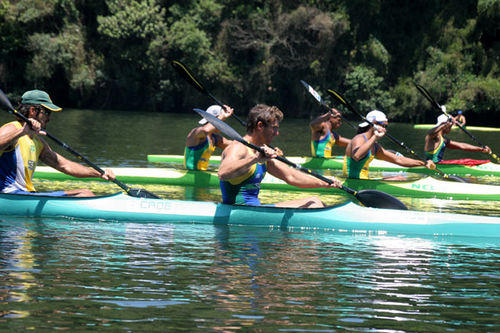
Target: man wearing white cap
(436,142)
(21,146)
(202,140)
(364,147)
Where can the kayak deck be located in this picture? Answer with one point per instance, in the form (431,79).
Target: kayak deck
(347,217)
(426,187)
(336,163)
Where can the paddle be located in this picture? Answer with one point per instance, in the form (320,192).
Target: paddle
(342,100)
(138,193)
(369,198)
(427,95)
(189,77)
(321,101)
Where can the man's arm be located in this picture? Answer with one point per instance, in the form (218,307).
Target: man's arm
(296,177)
(398,159)
(9,135)
(342,142)
(62,164)
(236,160)
(467,147)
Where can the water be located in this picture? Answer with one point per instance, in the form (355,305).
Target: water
(60,274)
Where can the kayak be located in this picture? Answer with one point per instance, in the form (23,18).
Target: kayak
(426,187)
(347,217)
(336,163)
(472,128)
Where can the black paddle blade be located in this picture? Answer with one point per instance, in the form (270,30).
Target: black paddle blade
(378,199)
(427,95)
(342,100)
(5,101)
(186,74)
(338,97)
(455,178)
(220,125)
(141,193)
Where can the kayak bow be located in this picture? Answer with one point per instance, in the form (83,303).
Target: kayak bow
(347,217)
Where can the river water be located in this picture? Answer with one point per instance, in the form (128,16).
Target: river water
(110,276)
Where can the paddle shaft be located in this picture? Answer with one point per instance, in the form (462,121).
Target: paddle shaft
(189,77)
(433,102)
(396,141)
(315,94)
(19,115)
(72,151)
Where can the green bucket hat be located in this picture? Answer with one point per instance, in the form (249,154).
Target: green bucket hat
(39,97)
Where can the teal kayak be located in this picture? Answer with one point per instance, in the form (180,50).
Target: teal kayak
(347,217)
(336,163)
(426,187)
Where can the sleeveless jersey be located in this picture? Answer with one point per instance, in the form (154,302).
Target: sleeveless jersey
(358,169)
(323,147)
(437,154)
(244,190)
(18,164)
(197,157)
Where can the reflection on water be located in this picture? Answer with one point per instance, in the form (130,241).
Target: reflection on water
(77,275)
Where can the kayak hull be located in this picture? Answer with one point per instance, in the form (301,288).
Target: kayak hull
(347,217)
(336,163)
(426,187)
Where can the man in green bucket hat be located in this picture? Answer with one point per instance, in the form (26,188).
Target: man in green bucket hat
(22,145)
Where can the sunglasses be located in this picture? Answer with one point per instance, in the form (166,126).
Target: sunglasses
(44,111)
(381,124)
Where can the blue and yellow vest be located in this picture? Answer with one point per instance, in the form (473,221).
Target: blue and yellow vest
(198,157)
(244,190)
(323,147)
(18,164)
(358,169)
(437,154)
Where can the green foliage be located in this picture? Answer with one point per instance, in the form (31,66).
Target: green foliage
(28,11)
(364,86)
(117,53)
(66,50)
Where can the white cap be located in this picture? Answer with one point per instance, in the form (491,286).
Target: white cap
(214,110)
(374,116)
(441,119)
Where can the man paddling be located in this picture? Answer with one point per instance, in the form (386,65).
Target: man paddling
(21,146)
(323,136)
(242,169)
(364,147)
(460,118)
(436,141)
(202,140)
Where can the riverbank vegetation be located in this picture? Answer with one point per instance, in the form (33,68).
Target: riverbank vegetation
(115,54)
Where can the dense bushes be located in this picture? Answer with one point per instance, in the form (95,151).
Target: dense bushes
(116,53)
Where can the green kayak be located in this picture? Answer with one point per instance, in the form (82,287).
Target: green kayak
(426,187)
(348,217)
(472,128)
(336,163)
